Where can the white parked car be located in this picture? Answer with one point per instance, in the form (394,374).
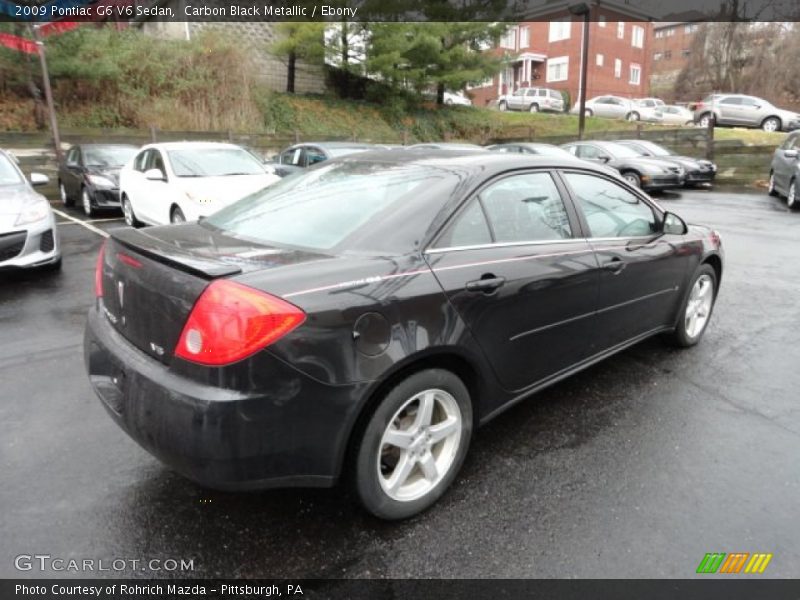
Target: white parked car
(648,109)
(183,181)
(677,115)
(456,99)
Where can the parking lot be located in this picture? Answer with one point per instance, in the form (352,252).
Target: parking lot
(636,467)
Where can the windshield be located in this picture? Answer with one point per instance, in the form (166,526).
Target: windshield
(655,149)
(9,174)
(320,209)
(620,151)
(214,162)
(553,151)
(336,152)
(107,156)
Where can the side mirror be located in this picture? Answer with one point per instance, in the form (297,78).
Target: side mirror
(790,153)
(38,179)
(673,224)
(604,159)
(154,175)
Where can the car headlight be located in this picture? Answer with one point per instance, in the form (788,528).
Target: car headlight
(33,213)
(100,181)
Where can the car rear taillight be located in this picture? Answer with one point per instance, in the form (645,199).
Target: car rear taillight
(231,321)
(98,272)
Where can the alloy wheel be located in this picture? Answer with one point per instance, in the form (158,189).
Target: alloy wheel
(771,187)
(770,125)
(534,108)
(87,202)
(791,197)
(62,192)
(698,308)
(419,446)
(127,211)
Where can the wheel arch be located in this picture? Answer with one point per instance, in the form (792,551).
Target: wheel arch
(716,263)
(449,359)
(776,117)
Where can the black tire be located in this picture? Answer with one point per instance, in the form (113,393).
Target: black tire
(771,186)
(130,219)
(588,112)
(534,108)
(792,201)
(64,195)
(679,337)
(86,203)
(502,106)
(176,216)
(366,478)
(633,116)
(704,119)
(633,178)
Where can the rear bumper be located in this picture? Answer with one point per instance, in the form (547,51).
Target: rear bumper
(294,434)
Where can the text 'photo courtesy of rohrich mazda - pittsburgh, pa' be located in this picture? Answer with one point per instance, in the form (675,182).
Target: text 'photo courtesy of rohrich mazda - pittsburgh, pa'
(411,301)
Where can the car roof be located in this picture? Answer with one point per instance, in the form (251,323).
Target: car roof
(485,163)
(333,145)
(104,145)
(446,146)
(189,145)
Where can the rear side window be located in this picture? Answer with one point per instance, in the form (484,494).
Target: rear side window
(292,156)
(314,156)
(611,210)
(525,208)
(347,205)
(469,228)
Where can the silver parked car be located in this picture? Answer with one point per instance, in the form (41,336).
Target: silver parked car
(532,100)
(784,173)
(28,234)
(677,115)
(744,111)
(612,107)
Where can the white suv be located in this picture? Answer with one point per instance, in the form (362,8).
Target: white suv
(532,100)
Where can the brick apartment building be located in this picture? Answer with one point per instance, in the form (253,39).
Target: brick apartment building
(671,52)
(546,52)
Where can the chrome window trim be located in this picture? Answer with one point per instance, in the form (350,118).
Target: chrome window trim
(538,243)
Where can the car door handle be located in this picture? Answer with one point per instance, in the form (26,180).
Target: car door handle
(487,283)
(615,265)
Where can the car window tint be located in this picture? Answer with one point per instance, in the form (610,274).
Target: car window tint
(469,228)
(293,156)
(140,164)
(156,161)
(732,101)
(526,208)
(610,209)
(314,156)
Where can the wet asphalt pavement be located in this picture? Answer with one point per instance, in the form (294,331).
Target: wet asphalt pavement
(635,468)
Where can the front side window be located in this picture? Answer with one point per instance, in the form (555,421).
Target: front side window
(314,156)
(140,163)
(611,211)
(525,208)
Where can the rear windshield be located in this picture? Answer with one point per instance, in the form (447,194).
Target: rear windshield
(323,208)
(214,162)
(9,175)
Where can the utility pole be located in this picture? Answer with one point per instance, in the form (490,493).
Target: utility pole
(48,94)
(582,8)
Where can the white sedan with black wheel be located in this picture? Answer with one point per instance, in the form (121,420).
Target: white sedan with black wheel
(183,181)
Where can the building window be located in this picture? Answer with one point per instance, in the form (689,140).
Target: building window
(637,36)
(601,21)
(657,56)
(558,68)
(508,41)
(686,53)
(560,29)
(621,29)
(659,34)
(636,74)
(599,60)
(617,68)
(669,32)
(689,28)
(524,37)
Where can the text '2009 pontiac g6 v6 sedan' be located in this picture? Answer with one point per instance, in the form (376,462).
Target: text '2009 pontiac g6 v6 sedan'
(361,318)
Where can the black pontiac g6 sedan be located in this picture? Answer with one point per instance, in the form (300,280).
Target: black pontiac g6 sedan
(363,317)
